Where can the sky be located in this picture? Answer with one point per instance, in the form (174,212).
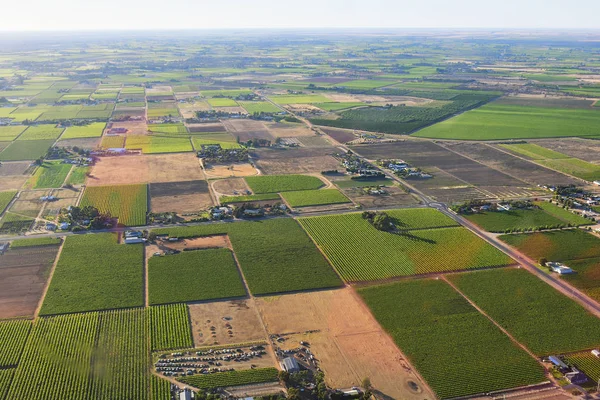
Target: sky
(66,15)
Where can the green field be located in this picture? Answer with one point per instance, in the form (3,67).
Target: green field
(456,349)
(558,161)
(259,107)
(6,376)
(339,106)
(232,378)
(587,362)
(222,102)
(586,277)
(25,150)
(533,312)
(9,133)
(503,221)
(501,122)
(33,242)
(225,140)
(41,132)
(5,199)
(563,245)
(78,175)
(365,84)
(225,92)
(352,183)
(427,242)
(250,198)
(49,175)
(170,327)
(85,131)
(93,355)
(169,129)
(95,272)
(15,223)
(282,183)
(274,255)
(13,335)
(159,144)
(565,215)
(194,275)
(304,198)
(127,202)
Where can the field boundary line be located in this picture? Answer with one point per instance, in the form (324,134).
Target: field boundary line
(49,280)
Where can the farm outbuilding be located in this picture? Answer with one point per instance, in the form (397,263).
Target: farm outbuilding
(290,365)
(558,362)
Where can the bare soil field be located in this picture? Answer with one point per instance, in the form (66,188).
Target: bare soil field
(214,171)
(339,134)
(585,149)
(188,110)
(342,97)
(180,197)
(240,314)
(230,187)
(394,197)
(246,129)
(300,108)
(174,167)
(66,198)
(347,341)
(130,111)
(207,127)
(130,169)
(278,129)
(23,275)
(232,110)
(14,174)
(314,141)
(295,160)
(511,165)
(89,143)
(133,127)
(28,203)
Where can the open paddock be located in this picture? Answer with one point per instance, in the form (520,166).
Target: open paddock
(584,149)
(339,134)
(288,129)
(240,314)
(85,143)
(394,197)
(208,127)
(295,160)
(14,174)
(133,127)
(180,197)
(230,187)
(214,171)
(66,198)
(348,342)
(28,203)
(23,275)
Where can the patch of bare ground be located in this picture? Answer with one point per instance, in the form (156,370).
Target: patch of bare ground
(28,203)
(231,110)
(14,174)
(230,187)
(342,98)
(209,323)
(119,170)
(23,275)
(585,149)
(133,127)
(295,160)
(280,129)
(340,135)
(243,125)
(84,143)
(394,196)
(181,204)
(206,127)
(345,338)
(214,171)
(174,167)
(314,141)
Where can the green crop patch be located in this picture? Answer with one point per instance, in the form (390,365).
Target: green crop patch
(502,221)
(359,252)
(194,275)
(232,378)
(587,362)
(501,122)
(275,255)
(49,175)
(222,102)
(35,242)
(225,140)
(84,131)
(168,129)
(563,245)
(6,376)
(565,215)
(127,202)
(305,198)
(13,335)
(9,133)
(78,175)
(456,349)
(26,150)
(283,183)
(5,199)
(259,107)
(95,272)
(159,144)
(170,327)
(41,132)
(15,223)
(229,93)
(526,307)
(533,151)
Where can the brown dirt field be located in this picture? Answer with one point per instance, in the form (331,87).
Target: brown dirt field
(587,150)
(232,110)
(188,110)
(23,275)
(207,127)
(314,141)
(119,170)
(28,203)
(340,135)
(342,98)
(245,323)
(296,108)
(181,204)
(278,129)
(229,170)
(306,165)
(206,242)
(11,168)
(133,127)
(132,169)
(12,182)
(348,343)
(230,186)
(243,125)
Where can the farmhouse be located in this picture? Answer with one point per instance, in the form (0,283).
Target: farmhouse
(559,268)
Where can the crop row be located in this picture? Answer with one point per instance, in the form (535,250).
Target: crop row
(13,335)
(127,202)
(586,362)
(232,378)
(170,326)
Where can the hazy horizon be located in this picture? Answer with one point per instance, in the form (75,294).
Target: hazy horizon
(138,15)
